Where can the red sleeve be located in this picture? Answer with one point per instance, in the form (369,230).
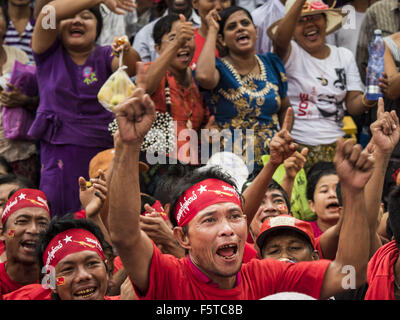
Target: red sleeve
(249,252)
(273,276)
(117,264)
(318,247)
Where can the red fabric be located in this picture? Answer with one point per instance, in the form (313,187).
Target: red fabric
(318,247)
(202,195)
(159,209)
(259,278)
(37,292)
(80,214)
(316,229)
(249,253)
(199,43)
(6,283)
(380,273)
(117,264)
(24,198)
(2,247)
(70,241)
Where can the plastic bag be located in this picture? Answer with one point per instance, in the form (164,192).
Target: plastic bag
(117,87)
(17,121)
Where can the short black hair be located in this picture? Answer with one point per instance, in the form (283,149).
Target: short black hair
(97,13)
(194,177)
(394,215)
(164,26)
(167,182)
(226,13)
(315,173)
(6,165)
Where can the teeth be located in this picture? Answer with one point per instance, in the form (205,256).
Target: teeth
(85,293)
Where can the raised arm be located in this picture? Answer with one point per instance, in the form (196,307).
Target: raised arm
(207,74)
(44,34)
(354,167)
(158,68)
(135,117)
(385,136)
(281,147)
(285,31)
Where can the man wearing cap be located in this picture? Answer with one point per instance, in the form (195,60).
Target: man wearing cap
(287,239)
(213,228)
(25,215)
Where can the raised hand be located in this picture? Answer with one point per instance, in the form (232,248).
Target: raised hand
(92,197)
(295,163)
(386,129)
(136,114)
(282,145)
(184,32)
(120,6)
(354,166)
(212,19)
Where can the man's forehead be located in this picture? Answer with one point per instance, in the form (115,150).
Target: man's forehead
(219,207)
(273,193)
(33,212)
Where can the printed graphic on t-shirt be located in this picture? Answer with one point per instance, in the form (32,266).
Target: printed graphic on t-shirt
(89,75)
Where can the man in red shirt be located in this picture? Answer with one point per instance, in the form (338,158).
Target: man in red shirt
(25,215)
(213,228)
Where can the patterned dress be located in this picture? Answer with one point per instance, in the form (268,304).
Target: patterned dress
(247,106)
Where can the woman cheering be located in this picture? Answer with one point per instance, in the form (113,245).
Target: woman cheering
(247,91)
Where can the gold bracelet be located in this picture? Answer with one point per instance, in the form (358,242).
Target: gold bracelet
(365,103)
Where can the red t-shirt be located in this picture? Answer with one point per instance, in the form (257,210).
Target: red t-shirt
(249,252)
(37,292)
(117,264)
(199,43)
(174,279)
(6,283)
(2,247)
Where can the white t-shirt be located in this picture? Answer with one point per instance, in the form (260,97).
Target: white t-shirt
(319,109)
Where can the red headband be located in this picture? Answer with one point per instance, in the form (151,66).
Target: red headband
(202,195)
(70,241)
(24,198)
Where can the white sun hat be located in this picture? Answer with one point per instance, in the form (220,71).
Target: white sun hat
(334,17)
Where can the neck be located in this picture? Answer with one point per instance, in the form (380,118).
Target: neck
(243,63)
(360,5)
(79,56)
(18,12)
(321,53)
(22,273)
(325,225)
(222,282)
(182,77)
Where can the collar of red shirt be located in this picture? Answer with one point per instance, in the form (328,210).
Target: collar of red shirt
(203,278)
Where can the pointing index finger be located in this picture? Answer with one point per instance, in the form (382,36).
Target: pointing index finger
(288,120)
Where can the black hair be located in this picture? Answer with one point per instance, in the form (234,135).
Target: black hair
(394,215)
(6,165)
(315,173)
(97,13)
(274,185)
(21,183)
(164,26)
(194,177)
(226,13)
(167,182)
(61,224)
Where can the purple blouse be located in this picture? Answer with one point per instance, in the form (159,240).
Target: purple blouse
(69,112)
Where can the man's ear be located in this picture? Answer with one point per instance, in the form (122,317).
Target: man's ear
(158,48)
(182,238)
(167,208)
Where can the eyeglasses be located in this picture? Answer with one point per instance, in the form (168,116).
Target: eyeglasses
(313,17)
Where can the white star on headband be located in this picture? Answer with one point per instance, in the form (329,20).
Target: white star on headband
(22,196)
(68,239)
(202,188)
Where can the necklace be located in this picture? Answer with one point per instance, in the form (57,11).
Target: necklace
(189,123)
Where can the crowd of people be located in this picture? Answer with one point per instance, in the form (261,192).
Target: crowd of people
(225,173)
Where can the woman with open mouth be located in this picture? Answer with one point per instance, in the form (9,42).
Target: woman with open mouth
(245,91)
(70,123)
(323,79)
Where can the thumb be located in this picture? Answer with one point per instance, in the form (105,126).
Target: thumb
(82,183)
(287,122)
(304,152)
(11,86)
(182,18)
(140,75)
